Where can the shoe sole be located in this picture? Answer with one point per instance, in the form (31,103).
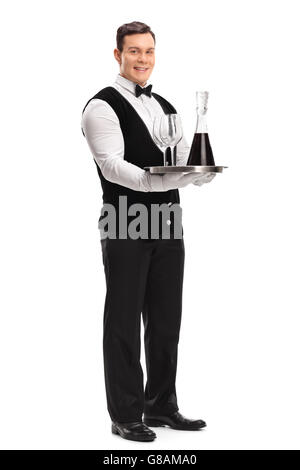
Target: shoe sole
(114,430)
(153,423)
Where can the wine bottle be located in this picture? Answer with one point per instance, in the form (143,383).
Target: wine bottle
(201,152)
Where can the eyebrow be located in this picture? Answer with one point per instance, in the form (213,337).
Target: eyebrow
(135,47)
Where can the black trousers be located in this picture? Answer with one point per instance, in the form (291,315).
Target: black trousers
(142,277)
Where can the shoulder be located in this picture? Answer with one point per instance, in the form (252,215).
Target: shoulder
(102,95)
(98,107)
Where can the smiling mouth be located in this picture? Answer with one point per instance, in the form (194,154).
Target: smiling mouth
(140,69)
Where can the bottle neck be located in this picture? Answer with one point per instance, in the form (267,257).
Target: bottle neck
(201,127)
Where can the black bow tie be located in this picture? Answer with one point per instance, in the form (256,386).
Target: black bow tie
(139,90)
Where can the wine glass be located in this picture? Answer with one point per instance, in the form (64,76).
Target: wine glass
(167,132)
(157,136)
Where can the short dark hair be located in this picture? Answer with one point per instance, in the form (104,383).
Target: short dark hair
(135,27)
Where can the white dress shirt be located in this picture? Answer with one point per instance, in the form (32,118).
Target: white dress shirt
(103,133)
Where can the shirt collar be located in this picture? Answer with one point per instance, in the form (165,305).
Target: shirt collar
(128,84)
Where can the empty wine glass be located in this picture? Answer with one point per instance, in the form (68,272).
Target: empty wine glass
(157,137)
(171,132)
(167,132)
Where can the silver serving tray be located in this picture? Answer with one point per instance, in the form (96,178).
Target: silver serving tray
(184,169)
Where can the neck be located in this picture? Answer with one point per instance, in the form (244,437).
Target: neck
(139,83)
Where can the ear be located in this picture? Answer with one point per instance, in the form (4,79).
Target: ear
(117,55)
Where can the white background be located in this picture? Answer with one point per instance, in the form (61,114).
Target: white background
(238,362)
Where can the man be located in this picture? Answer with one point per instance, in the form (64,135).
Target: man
(144,274)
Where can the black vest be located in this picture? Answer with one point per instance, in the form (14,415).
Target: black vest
(140,150)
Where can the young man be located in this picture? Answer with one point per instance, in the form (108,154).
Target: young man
(143,274)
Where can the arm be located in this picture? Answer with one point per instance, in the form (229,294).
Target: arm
(103,133)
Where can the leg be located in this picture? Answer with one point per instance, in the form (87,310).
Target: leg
(162,319)
(126,265)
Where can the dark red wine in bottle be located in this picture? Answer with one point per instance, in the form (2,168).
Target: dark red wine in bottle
(201,152)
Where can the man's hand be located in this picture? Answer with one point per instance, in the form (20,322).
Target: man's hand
(178,180)
(204,178)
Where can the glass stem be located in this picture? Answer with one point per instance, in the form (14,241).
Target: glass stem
(165,154)
(172,155)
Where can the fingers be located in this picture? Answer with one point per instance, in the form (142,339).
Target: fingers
(198,182)
(190,177)
(205,178)
(177,180)
(209,176)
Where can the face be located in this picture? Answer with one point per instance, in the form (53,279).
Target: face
(138,52)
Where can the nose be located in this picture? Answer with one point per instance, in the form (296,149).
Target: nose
(142,58)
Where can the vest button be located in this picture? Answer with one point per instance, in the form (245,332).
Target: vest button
(169,204)
(169,222)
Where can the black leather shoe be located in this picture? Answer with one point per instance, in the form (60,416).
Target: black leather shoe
(175,421)
(135,431)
